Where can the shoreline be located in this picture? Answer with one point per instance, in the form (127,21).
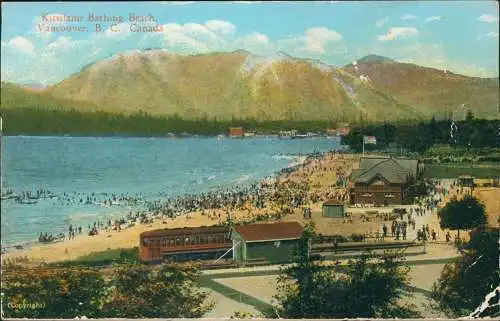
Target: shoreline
(296,161)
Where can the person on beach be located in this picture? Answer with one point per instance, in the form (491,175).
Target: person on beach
(398,231)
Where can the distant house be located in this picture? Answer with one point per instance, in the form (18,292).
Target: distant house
(340,131)
(383,181)
(333,208)
(271,242)
(236,132)
(466,180)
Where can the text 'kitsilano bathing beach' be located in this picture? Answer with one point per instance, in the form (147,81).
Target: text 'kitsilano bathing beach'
(158,161)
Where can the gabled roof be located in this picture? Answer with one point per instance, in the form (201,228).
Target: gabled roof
(389,169)
(270,231)
(406,163)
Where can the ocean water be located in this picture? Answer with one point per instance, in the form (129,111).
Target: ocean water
(155,168)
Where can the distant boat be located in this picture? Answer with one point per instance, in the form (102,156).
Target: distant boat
(288,134)
(29,202)
(9,197)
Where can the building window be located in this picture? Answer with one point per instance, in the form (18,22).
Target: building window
(203,239)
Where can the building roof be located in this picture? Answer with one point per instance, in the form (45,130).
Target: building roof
(185,231)
(395,171)
(332,202)
(270,231)
(406,163)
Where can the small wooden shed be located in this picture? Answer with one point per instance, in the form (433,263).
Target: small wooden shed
(271,242)
(466,180)
(333,208)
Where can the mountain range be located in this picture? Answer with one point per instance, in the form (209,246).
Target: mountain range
(243,85)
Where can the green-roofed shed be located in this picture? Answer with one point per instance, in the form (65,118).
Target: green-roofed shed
(333,208)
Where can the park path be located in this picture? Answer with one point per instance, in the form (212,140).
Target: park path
(436,256)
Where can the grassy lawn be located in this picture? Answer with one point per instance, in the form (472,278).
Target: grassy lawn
(455,170)
(104,258)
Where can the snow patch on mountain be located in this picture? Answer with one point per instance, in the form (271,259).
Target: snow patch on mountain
(349,90)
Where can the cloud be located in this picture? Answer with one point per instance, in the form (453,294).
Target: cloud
(381,22)
(253,38)
(399,32)
(21,44)
(489,35)
(194,37)
(488,18)
(433,18)
(407,16)
(220,26)
(316,39)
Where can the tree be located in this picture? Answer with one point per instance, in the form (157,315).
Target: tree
(463,214)
(463,285)
(172,292)
(52,293)
(354,139)
(135,291)
(368,288)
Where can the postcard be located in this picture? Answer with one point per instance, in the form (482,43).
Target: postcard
(250,159)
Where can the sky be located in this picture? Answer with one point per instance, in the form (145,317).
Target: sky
(42,43)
